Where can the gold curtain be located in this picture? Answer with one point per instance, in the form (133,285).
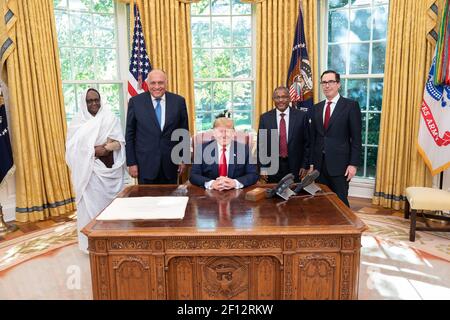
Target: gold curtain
(167,32)
(275,27)
(30,69)
(409,52)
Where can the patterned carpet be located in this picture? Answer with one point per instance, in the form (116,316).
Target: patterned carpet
(395,230)
(41,265)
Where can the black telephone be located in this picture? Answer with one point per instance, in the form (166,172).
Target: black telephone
(307,180)
(281,187)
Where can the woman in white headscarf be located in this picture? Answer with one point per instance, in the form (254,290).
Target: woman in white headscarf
(95,153)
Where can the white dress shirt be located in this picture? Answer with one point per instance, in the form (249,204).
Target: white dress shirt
(162,103)
(332,106)
(208,185)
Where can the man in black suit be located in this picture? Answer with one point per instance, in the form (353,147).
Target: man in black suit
(336,137)
(223,164)
(151,119)
(291,137)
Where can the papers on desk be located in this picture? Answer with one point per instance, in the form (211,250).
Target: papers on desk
(145,208)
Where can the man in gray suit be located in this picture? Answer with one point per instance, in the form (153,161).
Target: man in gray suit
(152,117)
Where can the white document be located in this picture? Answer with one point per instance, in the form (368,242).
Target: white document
(145,208)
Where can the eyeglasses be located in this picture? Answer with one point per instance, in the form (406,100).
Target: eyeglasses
(91,101)
(331,82)
(281,97)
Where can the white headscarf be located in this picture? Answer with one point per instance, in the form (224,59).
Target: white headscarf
(84,133)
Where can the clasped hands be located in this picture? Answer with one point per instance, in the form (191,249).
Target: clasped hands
(223,183)
(101,151)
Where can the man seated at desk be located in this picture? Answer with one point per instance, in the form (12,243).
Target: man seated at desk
(223,164)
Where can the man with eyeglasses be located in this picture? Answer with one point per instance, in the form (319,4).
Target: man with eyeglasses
(288,127)
(336,137)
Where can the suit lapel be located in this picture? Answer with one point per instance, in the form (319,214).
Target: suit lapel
(168,112)
(319,117)
(152,111)
(292,120)
(273,120)
(232,159)
(338,109)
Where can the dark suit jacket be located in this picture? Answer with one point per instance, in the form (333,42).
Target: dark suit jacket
(298,138)
(148,146)
(341,142)
(239,166)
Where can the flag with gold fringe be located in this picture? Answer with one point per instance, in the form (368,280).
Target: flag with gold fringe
(434,130)
(299,79)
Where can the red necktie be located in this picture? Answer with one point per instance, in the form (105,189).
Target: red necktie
(223,163)
(327,115)
(283,138)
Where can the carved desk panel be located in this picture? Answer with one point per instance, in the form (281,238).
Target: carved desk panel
(229,248)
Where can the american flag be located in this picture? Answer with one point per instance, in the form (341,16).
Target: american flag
(139,62)
(299,79)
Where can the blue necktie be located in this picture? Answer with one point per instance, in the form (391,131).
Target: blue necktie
(158,111)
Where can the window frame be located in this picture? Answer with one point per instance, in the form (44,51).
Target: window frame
(362,181)
(231,80)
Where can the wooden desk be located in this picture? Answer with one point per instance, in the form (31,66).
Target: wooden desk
(229,248)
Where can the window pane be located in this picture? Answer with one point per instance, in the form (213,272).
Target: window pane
(337,58)
(203,121)
(70,103)
(60,3)
(359,58)
(380,1)
(242,63)
(104,31)
(360,171)
(64,58)
(103,6)
(242,120)
(338,26)
(374,128)
(221,60)
(363,127)
(220,7)
(106,64)
(376,94)
(242,31)
(371,161)
(380,17)
(343,89)
(221,96)
(200,32)
(221,32)
(81,29)
(242,95)
(83,64)
(83,5)
(200,8)
(333,4)
(357,90)
(355,3)
(110,96)
(203,94)
(201,61)
(62,25)
(241,8)
(378,57)
(360,25)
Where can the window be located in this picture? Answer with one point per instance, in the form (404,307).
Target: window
(356,48)
(88,46)
(222,44)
